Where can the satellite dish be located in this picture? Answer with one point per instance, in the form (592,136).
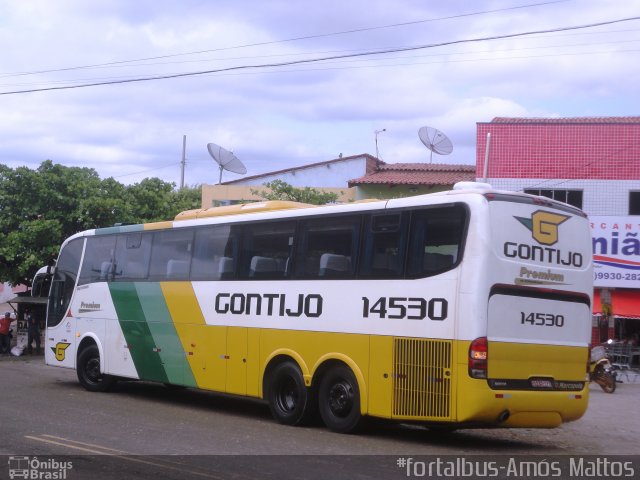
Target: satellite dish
(435,141)
(226,160)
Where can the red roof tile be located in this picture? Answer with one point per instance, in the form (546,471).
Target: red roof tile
(567,120)
(418,174)
(427,167)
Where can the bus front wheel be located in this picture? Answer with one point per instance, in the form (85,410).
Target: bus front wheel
(288,397)
(88,370)
(339,400)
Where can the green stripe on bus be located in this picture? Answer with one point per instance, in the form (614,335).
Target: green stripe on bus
(164,334)
(136,332)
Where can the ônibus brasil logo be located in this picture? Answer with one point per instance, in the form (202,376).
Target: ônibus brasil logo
(543,226)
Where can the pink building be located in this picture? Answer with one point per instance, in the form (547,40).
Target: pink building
(594,164)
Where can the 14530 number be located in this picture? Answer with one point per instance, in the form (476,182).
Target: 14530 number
(402,307)
(542,319)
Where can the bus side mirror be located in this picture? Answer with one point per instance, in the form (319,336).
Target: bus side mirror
(51,270)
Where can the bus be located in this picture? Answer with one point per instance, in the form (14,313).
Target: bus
(41,283)
(465,308)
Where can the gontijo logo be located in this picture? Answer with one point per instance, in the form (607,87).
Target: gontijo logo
(59,350)
(544,226)
(544,230)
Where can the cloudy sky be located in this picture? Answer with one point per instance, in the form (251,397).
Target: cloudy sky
(248,76)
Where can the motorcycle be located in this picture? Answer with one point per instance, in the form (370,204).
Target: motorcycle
(601,371)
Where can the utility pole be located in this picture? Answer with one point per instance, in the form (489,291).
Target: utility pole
(376,136)
(184,161)
(376,132)
(485,167)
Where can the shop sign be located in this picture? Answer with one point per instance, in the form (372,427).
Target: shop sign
(616,251)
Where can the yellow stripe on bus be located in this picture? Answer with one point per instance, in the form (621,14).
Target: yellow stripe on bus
(182,303)
(525,360)
(189,323)
(158,225)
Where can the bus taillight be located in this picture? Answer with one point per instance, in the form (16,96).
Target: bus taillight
(478,357)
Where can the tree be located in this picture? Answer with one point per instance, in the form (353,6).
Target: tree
(42,207)
(281,190)
(28,248)
(187,198)
(154,200)
(150,200)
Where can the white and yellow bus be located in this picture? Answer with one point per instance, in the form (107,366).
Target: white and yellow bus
(464,308)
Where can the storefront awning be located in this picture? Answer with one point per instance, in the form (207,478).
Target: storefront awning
(624,303)
(28,300)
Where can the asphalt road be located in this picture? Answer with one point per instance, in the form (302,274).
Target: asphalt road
(145,430)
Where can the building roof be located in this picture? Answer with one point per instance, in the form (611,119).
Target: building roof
(371,162)
(566,120)
(596,148)
(417,174)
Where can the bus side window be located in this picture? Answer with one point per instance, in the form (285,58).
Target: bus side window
(214,252)
(133,251)
(266,250)
(384,246)
(64,281)
(437,236)
(171,254)
(98,259)
(328,249)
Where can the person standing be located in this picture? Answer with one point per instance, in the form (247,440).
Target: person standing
(33,332)
(5,339)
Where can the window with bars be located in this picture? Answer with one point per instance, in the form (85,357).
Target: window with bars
(572,197)
(634,203)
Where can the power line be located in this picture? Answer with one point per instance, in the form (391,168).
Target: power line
(544,47)
(297,54)
(315,60)
(287,40)
(396,64)
(145,171)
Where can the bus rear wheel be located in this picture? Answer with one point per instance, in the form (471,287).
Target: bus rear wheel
(289,399)
(88,371)
(339,400)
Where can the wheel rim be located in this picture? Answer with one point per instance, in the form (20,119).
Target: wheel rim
(287,395)
(92,370)
(609,385)
(341,398)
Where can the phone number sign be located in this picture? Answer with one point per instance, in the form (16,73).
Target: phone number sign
(616,251)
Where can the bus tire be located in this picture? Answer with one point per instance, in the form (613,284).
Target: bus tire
(339,400)
(288,397)
(88,371)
